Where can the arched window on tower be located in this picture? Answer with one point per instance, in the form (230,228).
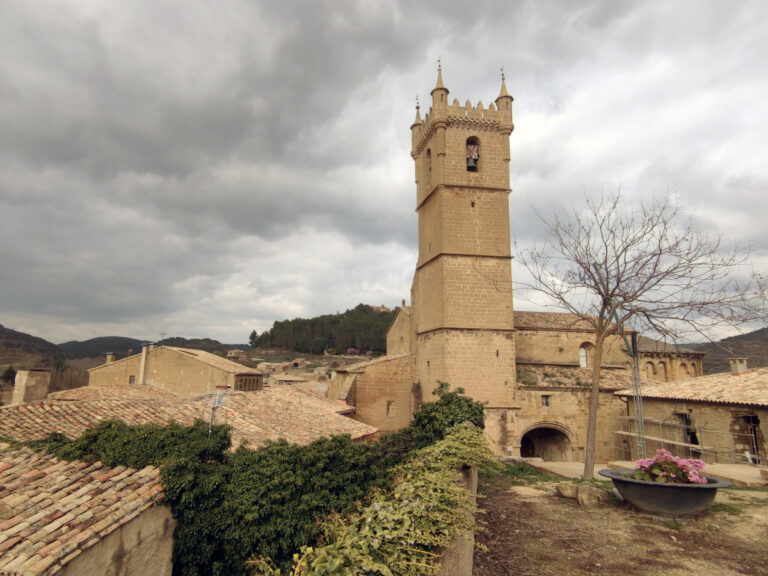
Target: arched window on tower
(473,154)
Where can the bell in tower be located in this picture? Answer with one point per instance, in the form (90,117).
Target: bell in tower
(473,154)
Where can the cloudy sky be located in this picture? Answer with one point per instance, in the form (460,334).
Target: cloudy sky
(202,169)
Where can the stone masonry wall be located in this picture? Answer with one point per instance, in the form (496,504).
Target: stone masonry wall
(116,373)
(399,339)
(480,361)
(384,393)
(142,546)
(720,428)
(562,347)
(166,369)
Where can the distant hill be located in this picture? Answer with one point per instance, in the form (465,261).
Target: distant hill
(122,346)
(753,346)
(25,351)
(96,347)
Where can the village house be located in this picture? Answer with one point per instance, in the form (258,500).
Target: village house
(77,518)
(183,371)
(720,418)
(74,518)
(237,355)
(530,369)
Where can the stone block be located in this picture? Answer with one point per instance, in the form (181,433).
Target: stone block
(567,490)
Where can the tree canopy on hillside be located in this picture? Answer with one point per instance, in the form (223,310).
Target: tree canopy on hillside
(361,327)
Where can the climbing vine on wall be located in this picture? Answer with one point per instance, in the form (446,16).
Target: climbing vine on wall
(270,502)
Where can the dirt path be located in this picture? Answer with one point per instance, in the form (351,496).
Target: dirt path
(529,531)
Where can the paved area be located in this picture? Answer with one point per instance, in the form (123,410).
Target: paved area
(739,474)
(567,469)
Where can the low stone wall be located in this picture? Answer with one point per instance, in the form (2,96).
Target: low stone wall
(459,558)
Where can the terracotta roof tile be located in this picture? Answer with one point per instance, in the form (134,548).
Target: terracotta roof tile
(287,412)
(550,321)
(724,388)
(199,355)
(71,498)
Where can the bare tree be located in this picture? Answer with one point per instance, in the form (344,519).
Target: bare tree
(646,267)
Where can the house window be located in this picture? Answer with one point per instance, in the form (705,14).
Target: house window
(390,408)
(131,379)
(545,401)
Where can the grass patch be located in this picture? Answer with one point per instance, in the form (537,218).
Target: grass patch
(518,473)
(732,509)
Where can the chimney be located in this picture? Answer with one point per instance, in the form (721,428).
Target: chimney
(110,357)
(403,302)
(143,363)
(738,366)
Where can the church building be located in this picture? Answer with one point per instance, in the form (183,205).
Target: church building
(529,369)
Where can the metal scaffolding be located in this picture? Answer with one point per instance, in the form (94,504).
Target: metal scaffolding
(686,441)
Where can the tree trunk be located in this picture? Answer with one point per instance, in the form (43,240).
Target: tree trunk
(589,453)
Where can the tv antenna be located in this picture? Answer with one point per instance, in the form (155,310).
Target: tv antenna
(219,398)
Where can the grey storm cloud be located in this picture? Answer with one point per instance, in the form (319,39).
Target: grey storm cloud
(209,169)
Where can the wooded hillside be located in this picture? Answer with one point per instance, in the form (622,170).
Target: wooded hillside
(362,328)
(24,351)
(752,346)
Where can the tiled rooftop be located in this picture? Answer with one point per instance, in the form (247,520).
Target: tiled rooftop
(52,510)
(645,344)
(724,388)
(214,360)
(199,355)
(550,321)
(277,412)
(90,393)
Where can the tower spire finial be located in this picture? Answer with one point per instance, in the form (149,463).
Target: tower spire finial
(417,121)
(504,92)
(440,85)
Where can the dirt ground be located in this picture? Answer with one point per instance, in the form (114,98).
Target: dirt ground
(530,530)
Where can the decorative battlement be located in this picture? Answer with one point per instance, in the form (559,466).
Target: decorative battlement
(497,117)
(478,117)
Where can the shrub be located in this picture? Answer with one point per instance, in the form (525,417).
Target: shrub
(527,378)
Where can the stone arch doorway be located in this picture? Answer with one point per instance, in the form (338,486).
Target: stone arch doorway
(548,443)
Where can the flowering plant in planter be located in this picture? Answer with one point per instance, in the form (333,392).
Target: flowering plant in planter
(667,468)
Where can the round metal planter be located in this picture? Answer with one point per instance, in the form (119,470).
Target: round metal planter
(661,498)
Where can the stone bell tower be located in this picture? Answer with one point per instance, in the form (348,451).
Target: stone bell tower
(462,288)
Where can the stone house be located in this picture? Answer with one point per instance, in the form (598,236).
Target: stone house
(286,379)
(237,355)
(73,518)
(718,418)
(183,371)
(461,327)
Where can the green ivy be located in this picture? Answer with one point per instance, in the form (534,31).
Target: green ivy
(270,502)
(401,531)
